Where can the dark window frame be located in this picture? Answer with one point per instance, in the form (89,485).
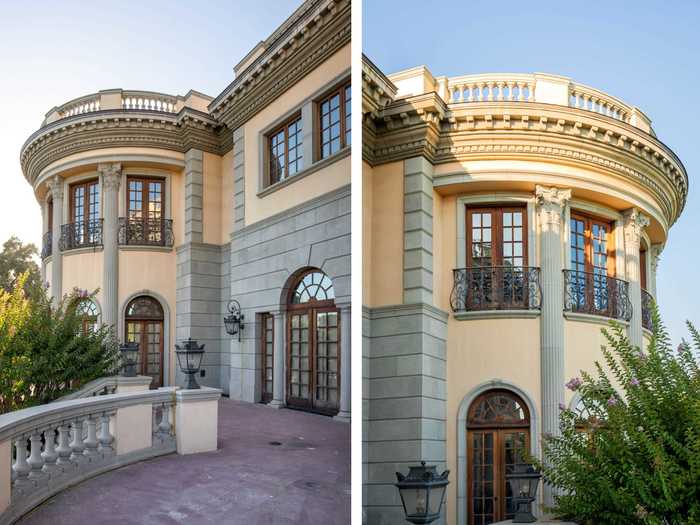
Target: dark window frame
(497,236)
(88,207)
(272,178)
(339,90)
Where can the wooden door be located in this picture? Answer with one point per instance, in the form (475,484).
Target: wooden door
(267,337)
(149,335)
(493,453)
(313,360)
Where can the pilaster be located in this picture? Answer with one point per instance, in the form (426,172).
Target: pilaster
(278,365)
(655,254)
(56,188)
(345,355)
(418,231)
(194,184)
(551,205)
(111,180)
(634,224)
(238,179)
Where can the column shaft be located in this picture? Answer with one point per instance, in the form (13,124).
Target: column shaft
(634,224)
(345,354)
(278,362)
(111,179)
(56,186)
(551,203)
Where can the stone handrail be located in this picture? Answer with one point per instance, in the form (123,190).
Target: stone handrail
(47,448)
(539,87)
(109,385)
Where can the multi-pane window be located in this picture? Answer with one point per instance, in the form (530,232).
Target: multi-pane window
(285,151)
(145,210)
(85,212)
(591,261)
(334,112)
(87,311)
(496,237)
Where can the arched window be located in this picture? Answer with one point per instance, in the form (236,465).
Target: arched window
(145,308)
(314,286)
(498,408)
(144,325)
(87,310)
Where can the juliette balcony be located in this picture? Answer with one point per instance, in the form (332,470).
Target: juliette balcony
(596,294)
(146,232)
(47,244)
(647,319)
(496,288)
(537,87)
(83,234)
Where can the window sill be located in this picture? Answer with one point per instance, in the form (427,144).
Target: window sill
(78,251)
(144,248)
(496,314)
(591,318)
(319,164)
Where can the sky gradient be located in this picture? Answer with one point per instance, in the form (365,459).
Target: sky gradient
(645,53)
(52,52)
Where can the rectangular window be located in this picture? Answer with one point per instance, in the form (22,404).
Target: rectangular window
(285,151)
(145,211)
(334,113)
(85,201)
(497,237)
(643,269)
(267,335)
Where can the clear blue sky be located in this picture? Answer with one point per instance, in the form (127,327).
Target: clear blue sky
(644,52)
(52,52)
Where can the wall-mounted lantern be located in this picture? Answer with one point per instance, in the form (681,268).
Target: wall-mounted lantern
(129,353)
(234,320)
(189,357)
(422,493)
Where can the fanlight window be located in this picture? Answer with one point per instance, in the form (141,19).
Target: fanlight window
(144,308)
(588,416)
(87,310)
(498,408)
(314,286)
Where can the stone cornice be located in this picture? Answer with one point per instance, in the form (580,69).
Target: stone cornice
(300,50)
(118,128)
(474,131)
(377,90)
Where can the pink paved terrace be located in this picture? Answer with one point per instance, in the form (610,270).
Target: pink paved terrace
(305,480)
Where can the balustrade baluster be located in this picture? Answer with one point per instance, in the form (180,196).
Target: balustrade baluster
(35,461)
(77,445)
(21,468)
(50,454)
(521,91)
(530,92)
(91,442)
(63,449)
(511,93)
(472,89)
(164,425)
(105,437)
(481,92)
(491,86)
(500,91)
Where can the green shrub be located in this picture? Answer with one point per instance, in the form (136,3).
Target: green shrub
(632,455)
(44,353)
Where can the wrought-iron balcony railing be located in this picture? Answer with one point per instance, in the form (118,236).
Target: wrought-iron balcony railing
(647,320)
(146,232)
(46,244)
(496,288)
(596,294)
(83,234)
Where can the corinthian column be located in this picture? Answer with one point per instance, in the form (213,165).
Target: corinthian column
(655,254)
(551,204)
(634,224)
(56,189)
(111,178)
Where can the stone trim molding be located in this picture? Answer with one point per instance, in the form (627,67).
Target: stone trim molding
(467,400)
(497,314)
(590,318)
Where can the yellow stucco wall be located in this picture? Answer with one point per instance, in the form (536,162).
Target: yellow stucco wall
(226,197)
(211,198)
(367,232)
(318,183)
(83,270)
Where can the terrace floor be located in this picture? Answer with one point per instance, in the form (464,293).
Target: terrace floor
(305,479)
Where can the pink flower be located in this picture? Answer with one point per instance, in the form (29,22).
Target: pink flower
(574,384)
(634,381)
(612,401)
(642,356)
(562,406)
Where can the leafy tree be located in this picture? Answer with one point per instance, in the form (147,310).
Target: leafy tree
(17,259)
(632,454)
(44,351)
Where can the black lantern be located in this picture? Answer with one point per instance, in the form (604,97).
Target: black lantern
(523,482)
(189,357)
(234,320)
(422,493)
(130,354)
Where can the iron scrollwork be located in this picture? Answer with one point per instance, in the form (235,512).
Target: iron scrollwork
(496,288)
(597,294)
(83,234)
(647,318)
(146,232)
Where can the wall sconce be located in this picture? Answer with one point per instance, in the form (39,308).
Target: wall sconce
(234,320)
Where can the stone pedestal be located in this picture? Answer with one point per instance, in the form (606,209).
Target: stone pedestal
(196,420)
(127,385)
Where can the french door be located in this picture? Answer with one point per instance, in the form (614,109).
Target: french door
(313,359)
(149,335)
(145,210)
(493,453)
(592,263)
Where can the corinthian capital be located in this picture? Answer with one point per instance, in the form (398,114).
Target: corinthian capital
(551,202)
(655,253)
(111,174)
(56,187)
(635,222)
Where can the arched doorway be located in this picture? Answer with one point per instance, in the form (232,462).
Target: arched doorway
(144,325)
(313,345)
(498,432)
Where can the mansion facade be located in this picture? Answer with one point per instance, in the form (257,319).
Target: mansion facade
(172,206)
(507,219)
